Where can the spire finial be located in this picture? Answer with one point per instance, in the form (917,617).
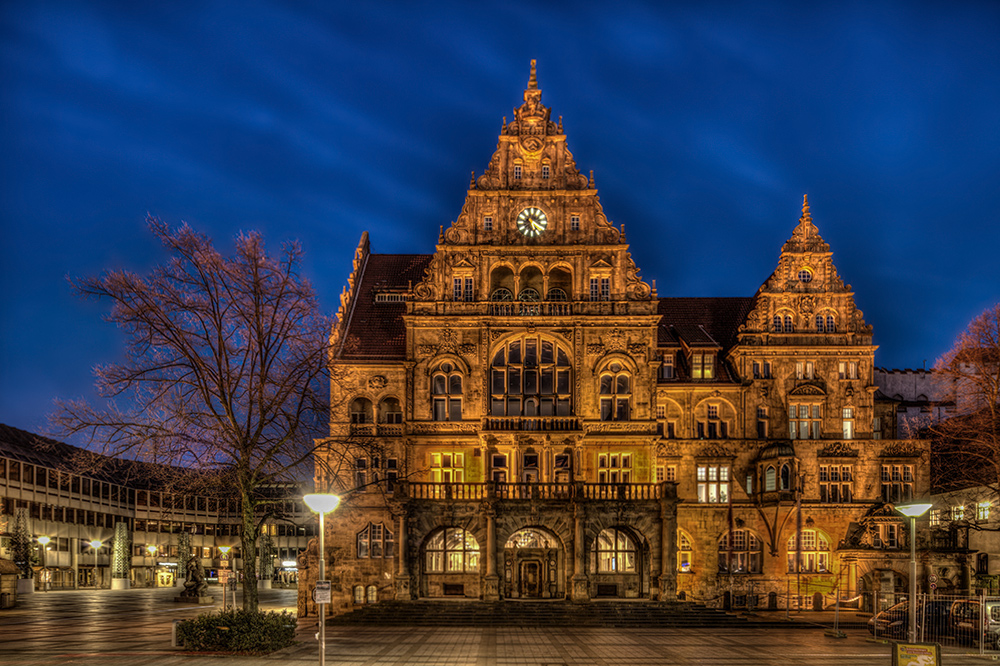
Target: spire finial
(532,78)
(805,207)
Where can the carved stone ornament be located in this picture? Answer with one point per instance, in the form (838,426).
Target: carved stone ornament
(427,350)
(616,340)
(449,341)
(443,427)
(595,349)
(715,451)
(838,450)
(496,334)
(377,382)
(618,427)
(668,450)
(807,304)
(637,349)
(900,450)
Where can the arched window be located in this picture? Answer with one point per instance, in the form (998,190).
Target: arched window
(557,294)
(777,323)
(451,549)
(446,390)
(359,594)
(530,538)
(501,294)
(786,477)
(745,555)
(530,376)
(685,552)
(374,541)
(389,411)
(770,479)
(616,393)
(616,552)
(361,411)
(831,325)
(788,324)
(371,594)
(529,294)
(815,552)
(819,323)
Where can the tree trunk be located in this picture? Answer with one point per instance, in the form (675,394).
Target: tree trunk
(249,546)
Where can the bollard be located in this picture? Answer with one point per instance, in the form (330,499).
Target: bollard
(173,635)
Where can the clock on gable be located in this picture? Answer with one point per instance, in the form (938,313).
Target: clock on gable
(532,222)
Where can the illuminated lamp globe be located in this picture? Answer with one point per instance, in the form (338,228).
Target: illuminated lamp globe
(914,510)
(321,502)
(96,544)
(44,540)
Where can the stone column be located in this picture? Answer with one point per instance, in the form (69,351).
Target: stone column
(402,563)
(491,591)
(668,543)
(581,588)
(75,543)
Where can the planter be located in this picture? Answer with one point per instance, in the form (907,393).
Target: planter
(120,583)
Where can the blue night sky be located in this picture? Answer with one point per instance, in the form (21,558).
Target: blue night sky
(704,124)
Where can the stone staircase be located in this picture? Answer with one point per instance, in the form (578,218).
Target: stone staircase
(520,613)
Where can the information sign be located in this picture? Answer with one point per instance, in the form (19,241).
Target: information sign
(322,594)
(224,576)
(916,654)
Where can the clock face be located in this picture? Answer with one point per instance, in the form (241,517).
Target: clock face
(532,222)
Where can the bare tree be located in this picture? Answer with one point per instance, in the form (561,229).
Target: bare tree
(967,445)
(223,382)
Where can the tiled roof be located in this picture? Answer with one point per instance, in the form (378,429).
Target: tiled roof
(375,330)
(702,322)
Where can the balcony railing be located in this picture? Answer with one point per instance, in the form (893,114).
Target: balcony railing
(535,423)
(535,491)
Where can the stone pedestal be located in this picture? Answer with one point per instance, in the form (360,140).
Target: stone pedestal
(491,588)
(120,583)
(201,601)
(581,589)
(668,588)
(403,588)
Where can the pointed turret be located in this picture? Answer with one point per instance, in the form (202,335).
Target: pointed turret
(805,237)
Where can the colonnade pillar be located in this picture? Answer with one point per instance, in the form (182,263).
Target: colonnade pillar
(668,544)
(491,591)
(581,587)
(402,564)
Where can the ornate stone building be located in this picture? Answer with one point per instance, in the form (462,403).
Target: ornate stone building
(519,414)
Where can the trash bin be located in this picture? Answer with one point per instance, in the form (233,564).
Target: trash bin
(6,600)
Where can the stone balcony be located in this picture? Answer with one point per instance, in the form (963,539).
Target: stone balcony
(451,492)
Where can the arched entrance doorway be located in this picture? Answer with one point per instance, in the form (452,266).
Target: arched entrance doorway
(533,565)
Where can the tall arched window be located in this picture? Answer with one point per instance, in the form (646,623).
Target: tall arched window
(786,477)
(371,594)
(616,393)
(789,327)
(530,376)
(451,549)
(616,552)
(815,552)
(745,555)
(685,552)
(389,411)
(770,479)
(446,390)
(777,324)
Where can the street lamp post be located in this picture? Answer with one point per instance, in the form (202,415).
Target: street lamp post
(44,541)
(913,511)
(225,561)
(322,504)
(96,545)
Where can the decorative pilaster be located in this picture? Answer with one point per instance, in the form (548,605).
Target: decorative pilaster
(402,569)
(581,588)
(668,544)
(491,589)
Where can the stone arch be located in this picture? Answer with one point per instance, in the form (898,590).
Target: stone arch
(537,566)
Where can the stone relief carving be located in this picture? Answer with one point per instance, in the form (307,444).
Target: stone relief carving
(900,450)
(377,382)
(838,450)
(716,450)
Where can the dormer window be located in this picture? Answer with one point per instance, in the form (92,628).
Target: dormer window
(702,366)
(667,366)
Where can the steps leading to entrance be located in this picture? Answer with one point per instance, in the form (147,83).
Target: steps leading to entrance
(540,614)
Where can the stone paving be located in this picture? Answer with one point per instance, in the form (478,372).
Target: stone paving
(132,628)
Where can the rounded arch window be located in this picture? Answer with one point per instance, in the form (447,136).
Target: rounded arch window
(805,275)
(531,376)
(451,549)
(501,294)
(361,410)
(359,594)
(616,393)
(371,594)
(814,556)
(616,551)
(530,538)
(446,393)
(389,411)
(529,294)
(557,294)
(685,551)
(740,551)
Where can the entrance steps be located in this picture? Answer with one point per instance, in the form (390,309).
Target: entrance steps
(521,613)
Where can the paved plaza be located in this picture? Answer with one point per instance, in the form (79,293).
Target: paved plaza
(132,628)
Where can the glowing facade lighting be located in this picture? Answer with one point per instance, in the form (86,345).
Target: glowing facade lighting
(321,502)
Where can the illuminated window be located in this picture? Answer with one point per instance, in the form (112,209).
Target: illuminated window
(958,512)
(616,552)
(616,393)
(574,223)
(713,483)
(488,223)
(814,556)
(983,511)
(805,275)
(375,541)
(531,376)
(451,549)
(740,552)
(702,366)
(446,390)
(448,467)
(848,422)
(614,468)
(684,552)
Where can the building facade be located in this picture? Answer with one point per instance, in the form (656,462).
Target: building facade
(55,499)
(520,415)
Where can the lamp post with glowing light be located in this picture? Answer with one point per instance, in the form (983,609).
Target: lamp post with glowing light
(44,541)
(322,504)
(225,565)
(96,545)
(913,510)
(151,549)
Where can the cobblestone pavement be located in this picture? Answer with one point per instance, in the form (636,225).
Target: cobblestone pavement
(132,628)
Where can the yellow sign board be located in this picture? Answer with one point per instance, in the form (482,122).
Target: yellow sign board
(916,654)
